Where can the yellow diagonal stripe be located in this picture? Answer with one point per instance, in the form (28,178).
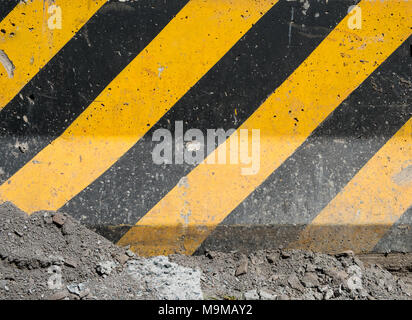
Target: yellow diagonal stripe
(32,37)
(200,34)
(191,210)
(369,204)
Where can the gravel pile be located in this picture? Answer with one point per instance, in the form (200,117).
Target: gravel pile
(49,255)
(294,274)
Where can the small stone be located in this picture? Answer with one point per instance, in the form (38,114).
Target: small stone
(56,260)
(346,253)
(78,289)
(84,293)
(60,295)
(122,259)
(328,294)
(359,263)
(209,254)
(73,288)
(354,283)
(3,284)
(285,254)
(271,258)
(59,219)
(267,294)
(338,276)
(47,218)
(68,228)
(283,297)
(393,268)
(105,268)
(274,277)
(294,282)
(70,262)
(242,268)
(130,253)
(318,295)
(251,295)
(310,267)
(310,280)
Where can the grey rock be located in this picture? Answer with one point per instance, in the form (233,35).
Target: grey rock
(3,284)
(68,228)
(242,268)
(294,282)
(77,289)
(285,254)
(347,253)
(266,294)
(251,295)
(105,268)
(354,283)
(130,253)
(328,294)
(59,219)
(60,295)
(70,262)
(166,280)
(122,259)
(310,280)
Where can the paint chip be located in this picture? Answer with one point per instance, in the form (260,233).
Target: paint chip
(7,64)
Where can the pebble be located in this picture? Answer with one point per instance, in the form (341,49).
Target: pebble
(266,294)
(251,295)
(242,268)
(122,259)
(60,295)
(310,280)
(77,289)
(70,262)
(328,294)
(105,268)
(285,254)
(59,219)
(294,282)
(130,253)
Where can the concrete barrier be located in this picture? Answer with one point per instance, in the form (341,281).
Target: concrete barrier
(118,113)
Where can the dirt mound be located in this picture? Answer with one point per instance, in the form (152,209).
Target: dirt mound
(49,255)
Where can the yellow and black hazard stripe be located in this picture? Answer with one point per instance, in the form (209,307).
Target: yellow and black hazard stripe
(61,90)
(332,104)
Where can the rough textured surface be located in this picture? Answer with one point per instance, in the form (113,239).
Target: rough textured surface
(49,255)
(295,274)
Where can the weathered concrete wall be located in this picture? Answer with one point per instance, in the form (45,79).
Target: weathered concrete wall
(328,90)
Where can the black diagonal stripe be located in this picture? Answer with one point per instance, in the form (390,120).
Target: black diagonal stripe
(308,180)
(240,81)
(399,237)
(6,6)
(54,98)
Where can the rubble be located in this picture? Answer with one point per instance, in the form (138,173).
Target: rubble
(52,256)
